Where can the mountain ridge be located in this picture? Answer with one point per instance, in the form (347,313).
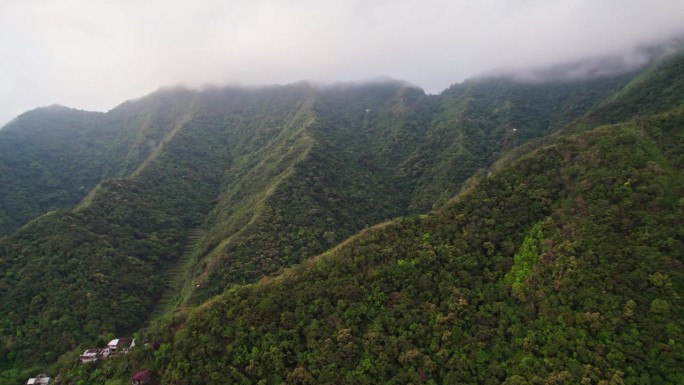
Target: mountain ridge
(335,296)
(277,175)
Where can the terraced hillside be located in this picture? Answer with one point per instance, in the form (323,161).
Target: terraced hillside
(175,277)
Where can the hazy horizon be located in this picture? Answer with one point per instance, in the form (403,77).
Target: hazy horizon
(94,55)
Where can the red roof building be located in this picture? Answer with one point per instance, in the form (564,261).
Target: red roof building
(142,377)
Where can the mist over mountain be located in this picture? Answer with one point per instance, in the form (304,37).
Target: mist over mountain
(502,231)
(590,68)
(94,54)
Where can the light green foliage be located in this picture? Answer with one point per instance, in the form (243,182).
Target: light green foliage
(525,259)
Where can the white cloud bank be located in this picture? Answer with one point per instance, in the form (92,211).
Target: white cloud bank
(94,54)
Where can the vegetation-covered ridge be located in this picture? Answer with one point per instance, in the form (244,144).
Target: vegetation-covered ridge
(275,175)
(378,152)
(564,268)
(75,276)
(51,157)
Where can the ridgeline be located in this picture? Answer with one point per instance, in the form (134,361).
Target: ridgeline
(500,232)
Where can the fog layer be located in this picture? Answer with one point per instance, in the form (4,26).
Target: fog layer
(93,54)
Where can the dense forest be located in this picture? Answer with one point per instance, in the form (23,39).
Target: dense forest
(499,232)
(52,157)
(564,268)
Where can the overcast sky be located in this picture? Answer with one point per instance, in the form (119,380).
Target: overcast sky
(94,54)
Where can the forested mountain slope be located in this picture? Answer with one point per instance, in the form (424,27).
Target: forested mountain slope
(273,176)
(72,276)
(52,157)
(477,121)
(564,268)
(657,89)
(378,152)
(342,180)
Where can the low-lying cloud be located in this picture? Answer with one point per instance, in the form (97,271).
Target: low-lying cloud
(93,54)
(591,67)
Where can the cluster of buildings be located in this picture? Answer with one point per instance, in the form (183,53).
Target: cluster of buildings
(114,347)
(117,345)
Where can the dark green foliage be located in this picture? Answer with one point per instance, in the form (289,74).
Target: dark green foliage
(327,175)
(52,157)
(595,219)
(479,120)
(370,153)
(562,267)
(72,276)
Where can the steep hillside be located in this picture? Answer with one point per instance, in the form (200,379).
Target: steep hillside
(271,176)
(300,199)
(655,90)
(71,277)
(378,152)
(477,121)
(52,157)
(565,268)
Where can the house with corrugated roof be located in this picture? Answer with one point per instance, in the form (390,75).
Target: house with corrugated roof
(41,379)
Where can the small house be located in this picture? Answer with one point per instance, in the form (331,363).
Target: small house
(41,379)
(120,343)
(90,355)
